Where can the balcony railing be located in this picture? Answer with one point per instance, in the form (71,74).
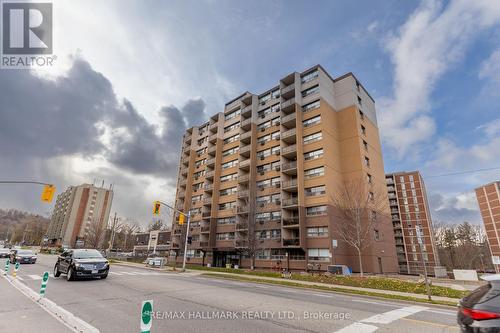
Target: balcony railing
(243,194)
(289,183)
(291,220)
(289,166)
(241,243)
(205,229)
(288,104)
(243,178)
(213,126)
(288,89)
(289,149)
(245,149)
(207,201)
(242,209)
(245,135)
(182,182)
(241,226)
(211,161)
(212,149)
(289,133)
(290,202)
(244,164)
(246,109)
(246,123)
(291,242)
(204,244)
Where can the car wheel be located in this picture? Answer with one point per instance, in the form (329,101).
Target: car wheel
(56,271)
(69,275)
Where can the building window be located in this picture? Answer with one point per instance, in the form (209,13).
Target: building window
(225,236)
(318,254)
(264,99)
(232,114)
(316,210)
(361,115)
(275,94)
(315,191)
(232,139)
(229,164)
(231,127)
(312,155)
(316,172)
(376,234)
(309,76)
(227,220)
(312,138)
(230,151)
(369,178)
(311,106)
(363,130)
(228,191)
(367,161)
(365,145)
(311,121)
(317,232)
(229,177)
(227,205)
(310,91)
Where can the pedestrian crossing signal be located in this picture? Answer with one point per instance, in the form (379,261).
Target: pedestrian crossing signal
(156,208)
(48,193)
(181,219)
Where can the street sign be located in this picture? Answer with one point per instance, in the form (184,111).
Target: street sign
(45,279)
(48,193)
(146,316)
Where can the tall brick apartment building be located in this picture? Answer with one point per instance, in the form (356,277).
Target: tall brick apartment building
(275,159)
(488,198)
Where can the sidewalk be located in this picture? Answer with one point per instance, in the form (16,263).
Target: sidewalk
(299,282)
(19,313)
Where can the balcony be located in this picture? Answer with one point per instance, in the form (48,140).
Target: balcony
(288,106)
(212,150)
(205,229)
(245,151)
(187,138)
(289,136)
(246,124)
(175,245)
(289,151)
(181,194)
(290,202)
(211,162)
(205,215)
(243,178)
(207,201)
(241,243)
(243,194)
(242,209)
(289,121)
(213,127)
(242,226)
(244,165)
(391,188)
(203,244)
(289,184)
(288,91)
(289,168)
(180,207)
(212,138)
(185,160)
(245,137)
(208,187)
(209,174)
(291,221)
(291,242)
(246,111)
(182,182)
(393,203)
(395,217)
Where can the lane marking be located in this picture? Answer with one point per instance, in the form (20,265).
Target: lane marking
(358,328)
(35,277)
(128,273)
(431,323)
(20,278)
(323,295)
(115,273)
(448,313)
(390,316)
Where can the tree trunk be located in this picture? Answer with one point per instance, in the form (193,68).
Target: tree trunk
(360,263)
(253,262)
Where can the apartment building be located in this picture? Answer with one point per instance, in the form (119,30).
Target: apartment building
(154,241)
(410,210)
(76,211)
(262,174)
(488,198)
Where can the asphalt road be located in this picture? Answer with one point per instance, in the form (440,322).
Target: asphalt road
(191,303)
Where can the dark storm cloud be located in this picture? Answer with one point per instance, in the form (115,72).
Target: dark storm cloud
(47,118)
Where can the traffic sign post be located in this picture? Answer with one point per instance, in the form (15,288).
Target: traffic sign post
(45,279)
(7,265)
(14,272)
(146,316)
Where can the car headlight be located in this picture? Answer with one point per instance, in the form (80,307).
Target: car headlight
(18,258)
(78,265)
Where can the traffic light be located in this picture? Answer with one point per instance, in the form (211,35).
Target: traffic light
(48,193)
(190,240)
(181,219)
(156,208)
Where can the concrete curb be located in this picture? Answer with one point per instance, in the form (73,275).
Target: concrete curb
(67,318)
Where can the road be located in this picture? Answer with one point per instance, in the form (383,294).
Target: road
(189,302)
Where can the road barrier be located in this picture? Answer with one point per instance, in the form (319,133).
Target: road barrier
(146,316)
(7,265)
(45,279)
(14,272)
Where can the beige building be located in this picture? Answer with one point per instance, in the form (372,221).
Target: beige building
(409,210)
(269,164)
(76,211)
(488,198)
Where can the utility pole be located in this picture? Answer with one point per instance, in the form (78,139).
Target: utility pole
(186,241)
(112,238)
(421,244)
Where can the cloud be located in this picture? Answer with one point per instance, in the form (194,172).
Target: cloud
(427,45)
(453,208)
(490,68)
(73,129)
(492,128)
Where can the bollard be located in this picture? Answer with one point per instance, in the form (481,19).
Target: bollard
(14,272)
(7,265)
(146,316)
(45,279)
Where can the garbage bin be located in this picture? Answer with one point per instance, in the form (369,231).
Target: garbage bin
(228,265)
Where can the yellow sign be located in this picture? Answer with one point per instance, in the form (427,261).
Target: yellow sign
(181,219)
(156,208)
(48,193)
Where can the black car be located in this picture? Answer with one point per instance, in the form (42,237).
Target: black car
(22,257)
(4,253)
(81,263)
(479,312)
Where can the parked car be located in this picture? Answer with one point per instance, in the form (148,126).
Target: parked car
(4,253)
(81,263)
(479,312)
(22,256)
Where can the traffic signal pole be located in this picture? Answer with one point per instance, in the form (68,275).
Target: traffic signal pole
(188,216)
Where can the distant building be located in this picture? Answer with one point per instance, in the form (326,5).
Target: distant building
(409,209)
(488,198)
(156,241)
(76,211)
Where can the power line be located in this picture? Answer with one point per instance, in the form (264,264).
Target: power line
(463,172)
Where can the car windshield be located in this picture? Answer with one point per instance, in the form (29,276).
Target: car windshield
(84,254)
(25,253)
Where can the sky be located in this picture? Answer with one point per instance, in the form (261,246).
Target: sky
(132,75)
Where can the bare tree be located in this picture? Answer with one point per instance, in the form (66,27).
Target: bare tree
(128,229)
(358,208)
(96,234)
(250,247)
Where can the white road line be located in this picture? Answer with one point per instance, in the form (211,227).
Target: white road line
(394,305)
(358,328)
(20,278)
(390,316)
(449,313)
(115,273)
(35,277)
(322,295)
(128,273)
